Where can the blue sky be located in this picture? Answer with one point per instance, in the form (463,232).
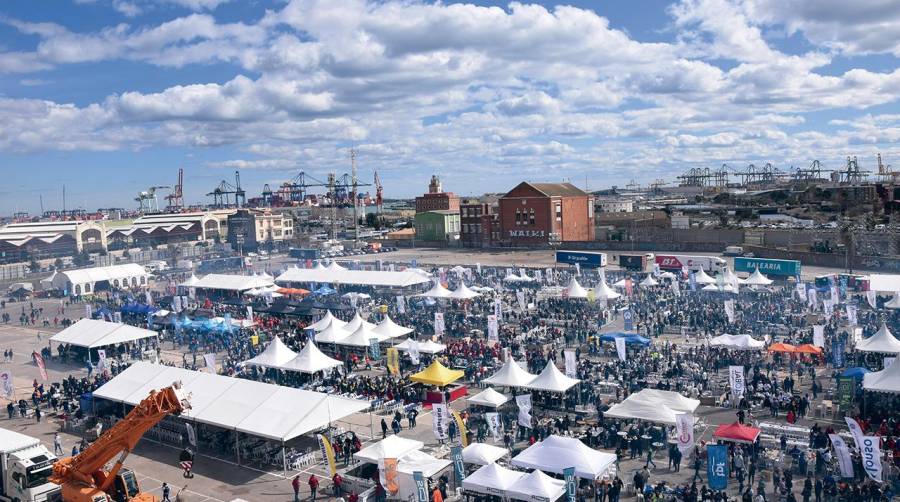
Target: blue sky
(108,97)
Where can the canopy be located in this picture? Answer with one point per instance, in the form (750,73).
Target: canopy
(390,329)
(227,282)
(604,292)
(292,291)
(884,283)
(483,453)
(782,347)
(356,322)
(881,342)
(332,334)
(459,269)
(326,321)
(510,375)
(336,274)
(437,374)
(620,283)
(417,460)
(276,355)
(463,293)
(630,338)
(426,347)
(857,372)
(362,337)
(739,342)
(649,281)
(727,288)
(489,398)
(886,380)
(436,291)
(557,453)
(701,277)
(893,303)
(353,295)
(192,281)
(758,279)
(737,432)
(491,479)
(574,290)
(807,348)
(93,333)
(653,405)
(335,267)
(255,408)
(537,486)
(552,380)
(389,447)
(310,360)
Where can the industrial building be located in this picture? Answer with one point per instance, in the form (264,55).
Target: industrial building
(91,280)
(437,199)
(479,223)
(542,213)
(168,228)
(48,239)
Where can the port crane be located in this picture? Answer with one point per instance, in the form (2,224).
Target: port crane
(147,199)
(176,198)
(83,478)
(222,194)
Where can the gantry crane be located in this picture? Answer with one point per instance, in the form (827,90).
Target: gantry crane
(221,194)
(147,199)
(176,198)
(379,193)
(83,478)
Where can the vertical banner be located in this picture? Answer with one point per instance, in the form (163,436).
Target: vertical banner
(692,280)
(393,361)
(571,364)
(250,313)
(520,296)
(391,481)
(493,421)
(498,309)
(828,307)
(851,315)
(327,453)
(176,304)
(717,466)
(729,310)
(6,385)
(577,270)
(628,319)
(571,484)
(629,286)
(88,311)
(855,431)
(819,335)
(148,298)
(842,452)
(39,359)
(421,486)
(101,360)
(800,289)
(837,353)
(684,426)
(478,268)
(117,317)
(524,403)
(872,298)
(846,391)
(401,304)
(493,329)
(191,434)
(459,468)
(439,421)
(870,449)
(620,348)
(439,323)
(374,349)
(736,379)
(413,351)
(461,427)
(210,360)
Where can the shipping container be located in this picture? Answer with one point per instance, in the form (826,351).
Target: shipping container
(590,259)
(767,266)
(633,262)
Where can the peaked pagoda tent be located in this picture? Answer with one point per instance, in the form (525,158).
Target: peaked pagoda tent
(276,355)
(335,267)
(511,374)
(552,380)
(436,291)
(702,277)
(758,279)
(574,290)
(437,374)
(463,293)
(389,447)
(310,360)
(649,281)
(489,398)
(737,433)
(557,453)
(333,333)
(426,347)
(483,453)
(537,486)
(327,320)
(390,329)
(362,337)
(739,342)
(893,303)
(491,479)
(882,342)
(356,322)
(604,292)
(886,380)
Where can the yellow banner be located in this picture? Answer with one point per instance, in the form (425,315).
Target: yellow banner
(327,453)
(383,309)
(591,296)
(463,434)
(254,340)
(393,361)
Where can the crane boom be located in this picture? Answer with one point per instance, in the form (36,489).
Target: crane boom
(82,477)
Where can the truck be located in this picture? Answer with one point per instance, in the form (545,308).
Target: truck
(25,469)
(733,251)
(637,262)
(692,262)
(591,259)
(768,266)
(304,254)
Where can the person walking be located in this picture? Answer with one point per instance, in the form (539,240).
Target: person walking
(57,444)
(384,429)
(295,484)
(313,486)
(165,492)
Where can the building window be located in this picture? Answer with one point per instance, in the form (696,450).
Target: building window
(590,208)
(518,217)
(531,217)
(559,211)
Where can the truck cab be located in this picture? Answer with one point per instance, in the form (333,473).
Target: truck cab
(25,475)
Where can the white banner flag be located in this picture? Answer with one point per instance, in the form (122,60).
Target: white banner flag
(571,364)
(800,289)
(871,457)
(413,351)
(439,323)
(6,385)
(401,304)
(250,313)
(88,311)
(524,404)
(498,309)
(439,421)
(176,304)
(478,268)
(493,329)
(835,296)
(812,296)
(493,421)
(577,270)
(192,436)
(210,360)
(851,315)
(872,298)
(855,431)
(828,307)
(729,310)
(736,379)
(819,335)
(684,426)
(101,361)
(620,348)
(148,299)
(843,455)
(520,296)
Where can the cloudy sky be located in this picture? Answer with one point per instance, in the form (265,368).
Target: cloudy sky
(108,97)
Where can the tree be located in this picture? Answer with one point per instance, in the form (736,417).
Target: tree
(373,221)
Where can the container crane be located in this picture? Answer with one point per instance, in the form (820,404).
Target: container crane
(378,193)
(83,478)
(176,198)
(221,194)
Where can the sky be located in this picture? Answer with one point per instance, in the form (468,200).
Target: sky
(109,97)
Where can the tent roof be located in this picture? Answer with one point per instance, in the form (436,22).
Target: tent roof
(574,290)
(557,453)
(12,440)
(537,486)
(276,355)
(491,479)
(332,334)
(356,322)
(649,281)
(552,380)
(92,333)
(191,282)
(426,347)
(390,329)
(327,320)
(390,447)
(702,277)
(437,374)
(362,337)
(741,342)
(653,405)
(737,432)
(782,347)
(510,375)
(488,397)
(808,348)
(483,453)
(329,275)
(260,409)
(463,293)
(882,342)
(310,360)
(436,291)
(758,279)
(232,282)
(417,460)
(884,283)
(604,292)
(886,380)
(95,274)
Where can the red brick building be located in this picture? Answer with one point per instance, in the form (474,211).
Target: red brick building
(437,199)
(539,213)
(480,224)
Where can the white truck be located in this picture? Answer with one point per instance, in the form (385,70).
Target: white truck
(25,468)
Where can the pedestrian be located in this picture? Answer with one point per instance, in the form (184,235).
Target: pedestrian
(57,444)
(165,492)
(411,417)
(337,484)
(37,413)
(384,429)
(313,486)
(295,484)
(698,463)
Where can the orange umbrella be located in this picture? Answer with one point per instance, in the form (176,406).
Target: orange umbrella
(782,347)
(807,348)
(292,291)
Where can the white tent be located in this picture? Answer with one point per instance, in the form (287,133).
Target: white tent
(574,290)
(426,347)
(354,296)
(459,270)
(727,288)
(331,275)
(390,447)
(488,397)
(412,462)
(335,267)
(436,291)
(730,278)
(758,279)
(318,266)
(362,337)
(557,453)
(884,283)
(620,283)
(604,292)
(881,342)
(886,380)
(327,320)
(701,277)
(483,453)
(512,278)
(653,405)
(537,486)
(510,375)
(276,355)
(649,281)
(491,479)
(192,281)
(893,303)
(332,334)
(667,275)
(739,342)
(92,333)
(463,293)
(390,329)
(356,322)
(310,360)
(226,282)
(552,380)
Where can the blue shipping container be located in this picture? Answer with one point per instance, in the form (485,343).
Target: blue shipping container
(590,259)
(767,266)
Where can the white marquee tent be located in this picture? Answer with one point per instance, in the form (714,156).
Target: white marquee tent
(738,342)
(491,479)
(574,290)
(511,374)
(93,333)
(226,282)
(537,486)
(489,398)
(335,274)
(333,333)
(552,380)
(389,328)
(310,360)
(463,293)
(436,291)
(881,342)
(356,322)
(389,447)
(649,281)
(483,453)
(426,347)
(886,380)
(362,337)
(893,303)
(327,320)
(604,292)
(701,277)
(758,279)
(276,355)
(653,405)
(557,453)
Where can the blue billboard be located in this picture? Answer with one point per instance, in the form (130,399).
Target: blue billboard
(591,259)
(767,266)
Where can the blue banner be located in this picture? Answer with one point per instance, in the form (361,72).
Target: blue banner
(414,263)
(458,465)
(717,466)
(571,484)
(843,286)
(837,353)
(374,349)
(628,319)
(693,279)
(421,487)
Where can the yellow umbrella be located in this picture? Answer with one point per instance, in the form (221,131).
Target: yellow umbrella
(437,374)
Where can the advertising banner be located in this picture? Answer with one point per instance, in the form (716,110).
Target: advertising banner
(717,466)
(843,455)
(524,404)
(684,426)
(440,421)
(870,449)
(571,484)
(571,364)
(620,349)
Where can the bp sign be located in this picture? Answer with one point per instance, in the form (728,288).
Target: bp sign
(787,268)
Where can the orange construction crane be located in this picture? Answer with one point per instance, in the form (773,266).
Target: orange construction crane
(378,193)
(83,478)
